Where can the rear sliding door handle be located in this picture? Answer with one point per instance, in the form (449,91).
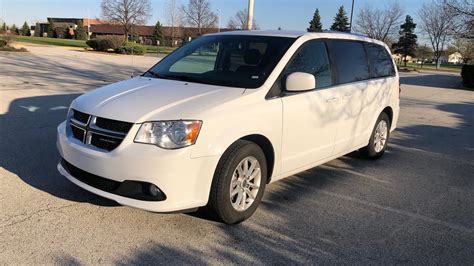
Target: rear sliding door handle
(331,100)
(347,96)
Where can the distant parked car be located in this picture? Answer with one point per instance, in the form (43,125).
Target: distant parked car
(221,117)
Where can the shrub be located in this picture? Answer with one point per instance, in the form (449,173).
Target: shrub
(467,74)
(93,43)
(131,48)
(9,38)
(114,41)
(104,43)
(3,43)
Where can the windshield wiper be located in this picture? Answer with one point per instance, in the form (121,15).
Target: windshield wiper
(183,78)
(154,74)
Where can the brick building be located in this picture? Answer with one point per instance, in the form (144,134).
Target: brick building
(142,34)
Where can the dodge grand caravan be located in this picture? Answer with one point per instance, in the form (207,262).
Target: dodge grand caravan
(214,122)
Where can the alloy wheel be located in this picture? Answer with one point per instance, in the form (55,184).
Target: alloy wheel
(380,137)
(245,183)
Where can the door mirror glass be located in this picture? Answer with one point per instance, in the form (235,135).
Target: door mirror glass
(300,81)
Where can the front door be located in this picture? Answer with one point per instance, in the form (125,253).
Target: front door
(309,118)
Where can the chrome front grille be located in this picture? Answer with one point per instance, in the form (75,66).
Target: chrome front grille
(102,133)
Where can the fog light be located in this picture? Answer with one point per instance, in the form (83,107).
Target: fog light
(153,190)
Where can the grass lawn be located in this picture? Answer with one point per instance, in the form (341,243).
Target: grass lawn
(432,67)
(162,49)
(82,44)
(52,41)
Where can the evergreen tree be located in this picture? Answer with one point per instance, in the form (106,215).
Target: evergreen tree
(4,27)
(13,28)
(158,33)
(25,30)
(315,23)
(37,30)
(341,22)
(81,33)
(51,28)
(406,45)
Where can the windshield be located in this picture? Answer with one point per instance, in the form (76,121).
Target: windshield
(225,60)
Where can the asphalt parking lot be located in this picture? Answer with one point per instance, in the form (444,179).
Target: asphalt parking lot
(414,206)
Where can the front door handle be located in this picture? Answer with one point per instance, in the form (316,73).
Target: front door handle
(331,100)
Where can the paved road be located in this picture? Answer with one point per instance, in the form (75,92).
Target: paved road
(415,206)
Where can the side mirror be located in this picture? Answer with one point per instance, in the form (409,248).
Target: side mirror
(300,81)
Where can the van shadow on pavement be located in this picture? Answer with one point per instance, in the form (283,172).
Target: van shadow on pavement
(28,146)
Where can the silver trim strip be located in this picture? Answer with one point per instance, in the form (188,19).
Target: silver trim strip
(83,138)
(102,134)
(94,126)
(79,122)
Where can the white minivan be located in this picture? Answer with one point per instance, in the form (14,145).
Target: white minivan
(214,122)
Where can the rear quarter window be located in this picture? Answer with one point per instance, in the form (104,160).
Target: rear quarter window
(380,60)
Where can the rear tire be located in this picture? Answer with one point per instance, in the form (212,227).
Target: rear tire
(378,139)
(239,183)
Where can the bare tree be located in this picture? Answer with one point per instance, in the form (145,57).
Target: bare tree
(126,13)
(436,23)
(463,14)
(173,16)
(239,21)
(198,13)
(380,24)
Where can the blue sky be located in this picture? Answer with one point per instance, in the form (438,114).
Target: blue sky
(270,14)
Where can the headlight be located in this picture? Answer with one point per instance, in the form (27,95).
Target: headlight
(169,134)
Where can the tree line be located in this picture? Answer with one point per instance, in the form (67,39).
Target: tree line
(24,30)
(197,14)
(446,24)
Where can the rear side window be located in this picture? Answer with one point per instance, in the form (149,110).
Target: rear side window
(381,64)
(312,58)
(350,61)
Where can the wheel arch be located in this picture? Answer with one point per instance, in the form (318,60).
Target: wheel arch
(389,111)
(265,144)
(267,147)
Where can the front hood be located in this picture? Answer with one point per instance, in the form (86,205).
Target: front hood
(143,99)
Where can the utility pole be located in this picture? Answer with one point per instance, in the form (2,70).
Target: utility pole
(219,20)
(250,15)
(352,12)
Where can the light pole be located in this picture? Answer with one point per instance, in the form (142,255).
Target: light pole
(352,11)
(218,20)
(250,15)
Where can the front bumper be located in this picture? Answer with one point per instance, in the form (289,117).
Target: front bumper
(184,180)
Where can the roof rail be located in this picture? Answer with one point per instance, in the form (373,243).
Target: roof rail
(335,31)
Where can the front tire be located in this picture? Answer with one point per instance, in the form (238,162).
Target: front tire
(239,182)
(378,139)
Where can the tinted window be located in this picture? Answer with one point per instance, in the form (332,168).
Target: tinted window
(350,61)
(381,64)
(312,58)
(225,60)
